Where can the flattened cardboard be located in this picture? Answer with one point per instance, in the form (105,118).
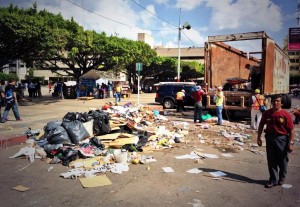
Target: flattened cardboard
(96,181)
(21,188)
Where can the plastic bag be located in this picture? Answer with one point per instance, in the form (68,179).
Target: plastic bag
(76,131)
(56,134)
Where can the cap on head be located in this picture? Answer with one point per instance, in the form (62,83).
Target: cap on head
(183,90)
(219,87)
(198,88)
(257,91)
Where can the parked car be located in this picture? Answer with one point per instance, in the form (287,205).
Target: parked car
(166,93)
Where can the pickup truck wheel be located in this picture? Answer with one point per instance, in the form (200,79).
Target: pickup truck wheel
(168,104)
(296,93)
(287,101)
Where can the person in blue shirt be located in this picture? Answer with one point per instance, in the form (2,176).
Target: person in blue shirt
(11,101)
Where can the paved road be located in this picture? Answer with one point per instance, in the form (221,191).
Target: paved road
(243,185)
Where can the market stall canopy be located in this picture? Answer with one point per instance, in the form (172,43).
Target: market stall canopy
(96,74)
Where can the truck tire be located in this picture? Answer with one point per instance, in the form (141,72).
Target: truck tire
(287,101)
(168,104)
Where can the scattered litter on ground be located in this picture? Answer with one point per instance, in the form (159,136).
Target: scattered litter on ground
(194,171)
(286,186)
(167,169)
(95,181)
(21,188)
(218,174)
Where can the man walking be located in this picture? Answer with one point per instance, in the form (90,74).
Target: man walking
(279,140)
(11,101)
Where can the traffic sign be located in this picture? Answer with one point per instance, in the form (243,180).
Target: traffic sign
(139,67)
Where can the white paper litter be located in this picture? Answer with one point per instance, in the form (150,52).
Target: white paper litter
(194,171)
(167,169)
(192,155)
(28,151)
(217,174)
(227,155)
(211,155)
(286,186)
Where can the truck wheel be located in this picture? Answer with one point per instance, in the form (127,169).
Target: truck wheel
(287,101)
(296,93)
(168,104)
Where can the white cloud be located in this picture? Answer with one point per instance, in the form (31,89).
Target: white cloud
(146,16)
(161,1)
(188,4)
(244,15)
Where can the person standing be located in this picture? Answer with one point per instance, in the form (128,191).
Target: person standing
(180,100)
(257,101)
(118,89)
(219,104)
(254,76)
(109,90)
(197,96)
(279,137)
(11,101)
(59,89)
(1,95)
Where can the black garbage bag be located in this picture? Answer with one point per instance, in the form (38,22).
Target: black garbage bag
(68,155)
(97,142)
(82,117)
(56,134)
(76,130)
(101,122)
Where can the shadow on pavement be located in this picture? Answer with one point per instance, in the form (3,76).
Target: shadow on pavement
(235,177)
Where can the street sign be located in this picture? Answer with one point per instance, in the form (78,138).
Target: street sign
(139,67)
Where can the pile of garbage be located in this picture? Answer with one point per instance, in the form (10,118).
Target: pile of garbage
(110,138)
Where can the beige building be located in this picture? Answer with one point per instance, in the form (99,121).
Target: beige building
(186,54)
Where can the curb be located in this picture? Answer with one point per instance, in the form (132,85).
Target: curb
(9,141)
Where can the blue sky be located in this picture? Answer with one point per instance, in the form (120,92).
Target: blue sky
(160,18)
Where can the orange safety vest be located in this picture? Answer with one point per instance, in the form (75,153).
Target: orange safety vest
(179,95)
(259,100)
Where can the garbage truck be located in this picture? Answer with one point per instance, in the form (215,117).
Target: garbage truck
(225,66)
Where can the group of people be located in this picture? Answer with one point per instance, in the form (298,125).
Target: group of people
(278,124)
(8,98)
(197,96)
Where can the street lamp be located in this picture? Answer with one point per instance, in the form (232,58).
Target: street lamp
(185,26)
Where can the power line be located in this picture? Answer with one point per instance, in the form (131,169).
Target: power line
(160,19)
(111,19)
(188,38)
(153,13)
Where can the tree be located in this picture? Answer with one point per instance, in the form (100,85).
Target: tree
(191,70)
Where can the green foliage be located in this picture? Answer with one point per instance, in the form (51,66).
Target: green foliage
(51,42)
(191,70)
(7,77)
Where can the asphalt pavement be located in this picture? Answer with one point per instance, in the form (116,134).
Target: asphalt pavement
(144,184)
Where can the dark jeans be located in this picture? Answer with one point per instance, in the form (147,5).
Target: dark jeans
(277,156)
(15,109)
(198,112)
(180,105)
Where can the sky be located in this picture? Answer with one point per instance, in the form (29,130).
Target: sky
(160,18)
